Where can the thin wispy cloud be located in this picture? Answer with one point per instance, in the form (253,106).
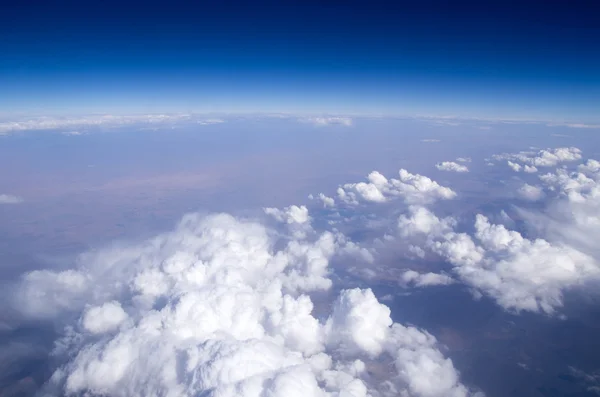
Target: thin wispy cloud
(10,199)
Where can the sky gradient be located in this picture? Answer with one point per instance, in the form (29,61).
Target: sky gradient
(529,60)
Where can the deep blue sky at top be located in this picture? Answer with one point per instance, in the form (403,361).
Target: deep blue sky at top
(482,59)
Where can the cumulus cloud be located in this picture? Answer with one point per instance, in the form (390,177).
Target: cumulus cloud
(10,199)
(451,166)
(464,159)
(104,318)
(327,201)
(518,273)
(514,166)
(222,307)
(518,167)
(411,187)
(420,220)
(571,213)
(541,158)
(291,214)
(530,192)
(425,279)
(325,121)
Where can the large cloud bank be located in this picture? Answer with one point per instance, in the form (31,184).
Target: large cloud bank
(222,307)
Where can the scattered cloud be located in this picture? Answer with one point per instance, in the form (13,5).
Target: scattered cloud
(10,199)
(451,166)
(464,159)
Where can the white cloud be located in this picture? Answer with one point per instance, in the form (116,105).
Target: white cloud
(70,124)
(530,192)
(413,188)
(221,306)
(519,274)
(291,214)
(425,279)
(104,318)
(464,159)
(575,125)
(10,199)
(327,201)
(451,166)
(423,221)
(210,121)
(325,121)
(530,169)
(514,166)
(542,158)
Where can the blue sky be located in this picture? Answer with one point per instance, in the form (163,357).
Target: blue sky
(477,60)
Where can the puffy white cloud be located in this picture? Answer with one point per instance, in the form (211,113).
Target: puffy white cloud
(425,279)
(529,169)
(221,307)
(10,199)
(423,221)
(413,188)
(520,274)
(514,166)
(572,210)
(530,192)
(464,159)
(291,214)
(542,158)
(104,318)
(451,166)
(327,201)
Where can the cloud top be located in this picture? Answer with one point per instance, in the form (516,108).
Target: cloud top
(221,307)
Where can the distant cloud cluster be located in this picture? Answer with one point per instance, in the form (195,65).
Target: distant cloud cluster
(70,125)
